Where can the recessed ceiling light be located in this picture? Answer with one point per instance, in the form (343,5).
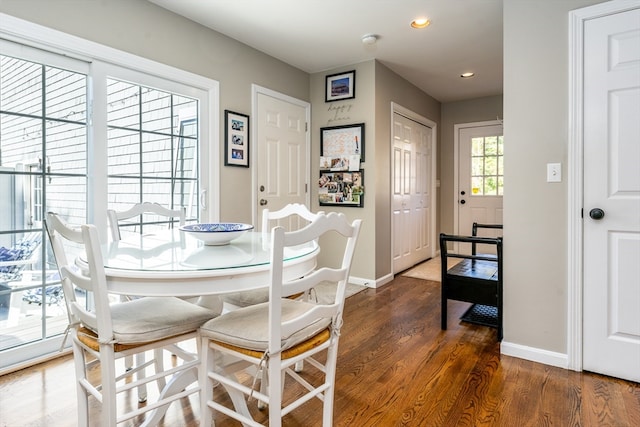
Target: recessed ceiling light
(420,23)
(467,75)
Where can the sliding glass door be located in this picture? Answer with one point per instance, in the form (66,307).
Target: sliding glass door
(78,137)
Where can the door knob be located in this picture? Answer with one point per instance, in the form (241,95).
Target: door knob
(462,202)
(263,202)
(596,213)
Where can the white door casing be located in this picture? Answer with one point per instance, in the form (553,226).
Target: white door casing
(413,189)
(611,269)
(281,147)
(469,206)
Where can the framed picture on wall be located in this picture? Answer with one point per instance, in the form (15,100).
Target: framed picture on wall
(341,188)
(236,139)
(342,141)
(340,86)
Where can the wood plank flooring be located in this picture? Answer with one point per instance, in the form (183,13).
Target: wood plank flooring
(395,368)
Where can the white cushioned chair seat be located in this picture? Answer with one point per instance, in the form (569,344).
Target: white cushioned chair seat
(247,298)
(248,327)
(153,318)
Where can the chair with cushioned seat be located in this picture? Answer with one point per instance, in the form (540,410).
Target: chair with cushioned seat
(292,217)
(138,210)
(275,335)
(112,331)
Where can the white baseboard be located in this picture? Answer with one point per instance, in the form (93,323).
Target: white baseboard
(560,360)
(371,283)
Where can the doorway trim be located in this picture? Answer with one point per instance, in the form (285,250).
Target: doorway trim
(577,19)
(260,90)
(403,111)
(456,167)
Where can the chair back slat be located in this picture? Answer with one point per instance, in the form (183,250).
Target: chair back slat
(291,217)
(116,217)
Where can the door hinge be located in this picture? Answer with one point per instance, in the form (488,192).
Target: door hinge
(306,127)
(306,189)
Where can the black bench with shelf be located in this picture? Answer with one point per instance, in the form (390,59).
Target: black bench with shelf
(477,278)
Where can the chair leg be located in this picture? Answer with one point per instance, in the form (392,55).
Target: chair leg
(206,383)
(142,389)
(82,394)
(158,363)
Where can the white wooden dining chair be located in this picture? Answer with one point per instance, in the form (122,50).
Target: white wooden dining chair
(161,214)
(111,331)
(292,217)
(275,335)
(117,217)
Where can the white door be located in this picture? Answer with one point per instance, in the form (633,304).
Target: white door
(480,180)
(282,153)
(412,188)
(611,275)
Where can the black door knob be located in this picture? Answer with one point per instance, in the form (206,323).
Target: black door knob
(596,213)
(462,202)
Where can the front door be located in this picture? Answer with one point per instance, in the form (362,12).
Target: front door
(412,192)
(282,153)
(480,180)
(611,267)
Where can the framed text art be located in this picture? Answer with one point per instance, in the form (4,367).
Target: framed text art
(340,86)
(341,188)
(342,141)
(236,139)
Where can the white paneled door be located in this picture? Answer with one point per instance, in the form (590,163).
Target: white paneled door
(281,150)
(412,192)
(611,311)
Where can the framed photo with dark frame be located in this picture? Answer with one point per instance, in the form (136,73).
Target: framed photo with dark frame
(236,139)
(342,141)
(340,86)
(341,188)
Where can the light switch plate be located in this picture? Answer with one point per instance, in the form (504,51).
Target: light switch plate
(554,172)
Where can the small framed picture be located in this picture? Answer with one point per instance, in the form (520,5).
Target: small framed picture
(340,86)
(236,139)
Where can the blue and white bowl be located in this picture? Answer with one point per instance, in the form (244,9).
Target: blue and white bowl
(217,233)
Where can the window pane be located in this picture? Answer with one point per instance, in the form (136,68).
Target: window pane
(156,111)
(123,151)
(477,186)
(477,146)
(490,166)
(66,148)
(490,186)
(66,94)
(477,166)
(20,140)
(491,146)
(21,86)
(157,155)
(123,108)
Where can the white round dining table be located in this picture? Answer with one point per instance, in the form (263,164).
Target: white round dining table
(174,263)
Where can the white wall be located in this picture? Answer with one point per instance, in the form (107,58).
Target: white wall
(535,212)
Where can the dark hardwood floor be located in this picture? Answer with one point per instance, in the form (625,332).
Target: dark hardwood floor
(395,368)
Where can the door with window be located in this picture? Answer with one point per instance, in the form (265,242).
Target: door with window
(77,138)
(480,179)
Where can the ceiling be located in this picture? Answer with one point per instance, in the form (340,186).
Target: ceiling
(320,35)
